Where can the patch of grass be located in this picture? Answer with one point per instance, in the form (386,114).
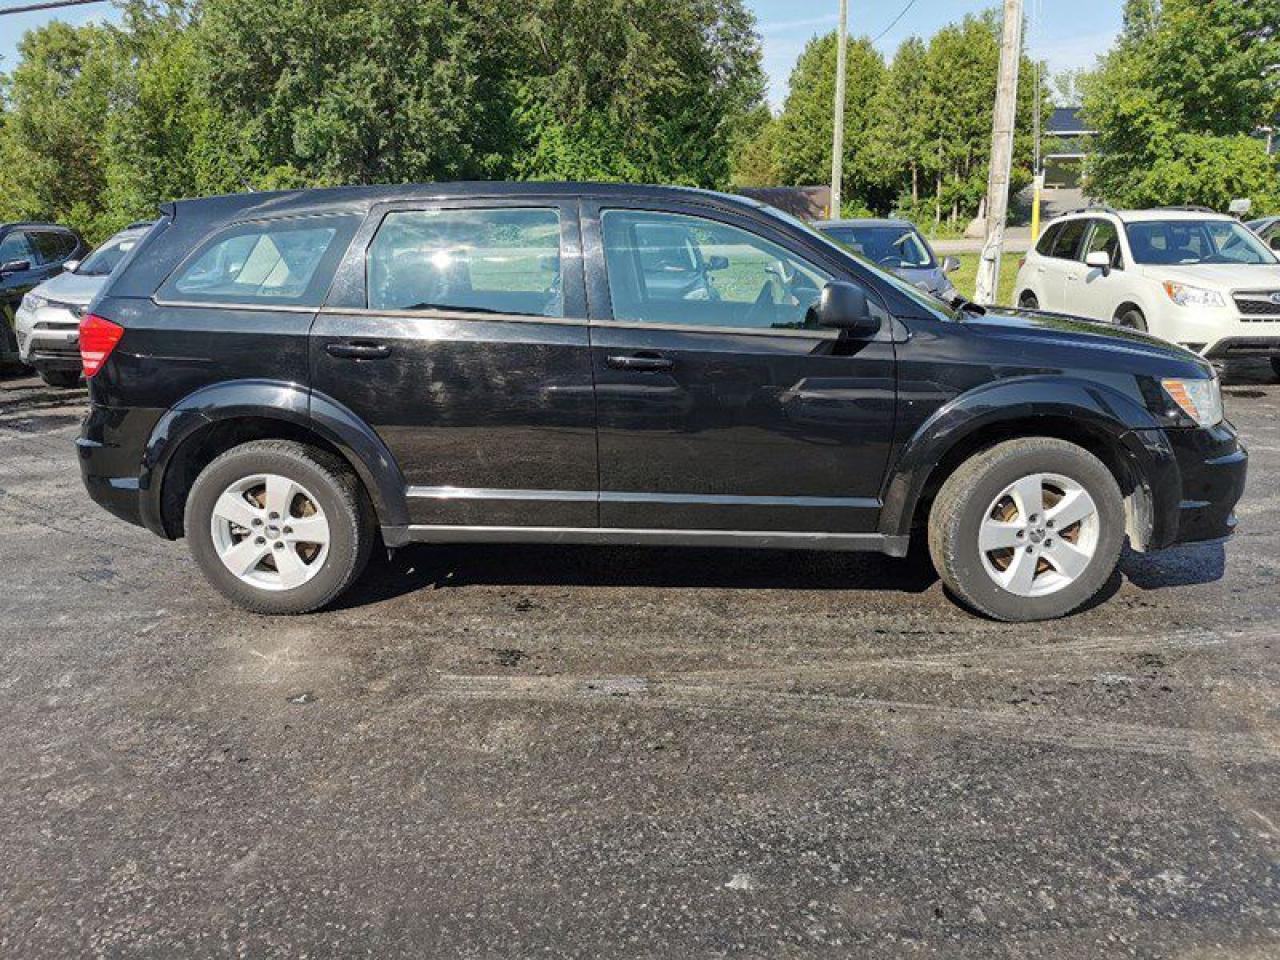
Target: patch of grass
(966,278)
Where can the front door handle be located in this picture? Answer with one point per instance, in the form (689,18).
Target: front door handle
(645,362)
(358,350)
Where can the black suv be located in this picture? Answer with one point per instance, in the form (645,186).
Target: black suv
(30,253)
(280,377)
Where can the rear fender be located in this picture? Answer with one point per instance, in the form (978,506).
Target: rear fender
(273,400)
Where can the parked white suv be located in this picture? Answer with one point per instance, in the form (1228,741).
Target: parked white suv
(1191,276)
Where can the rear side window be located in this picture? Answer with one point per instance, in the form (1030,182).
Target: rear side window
(271,262)
(1066,245)
(14,246)
(477,259)
(1045,245)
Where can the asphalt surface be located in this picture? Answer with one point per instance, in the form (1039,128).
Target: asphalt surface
(518,752)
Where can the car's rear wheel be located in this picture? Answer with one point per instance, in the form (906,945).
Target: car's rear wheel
(1030,529)
(279,527)
(1132,318)
(60,378)
(1029,301)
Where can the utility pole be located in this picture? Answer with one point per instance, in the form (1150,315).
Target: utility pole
(1006,113)
(837,134)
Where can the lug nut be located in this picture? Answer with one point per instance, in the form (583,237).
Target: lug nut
(279,544)
(275,516)
(260,541)
(288,530)
(1031,549)
(1048,544)
(257,521)
(1021,534)
(1049,524)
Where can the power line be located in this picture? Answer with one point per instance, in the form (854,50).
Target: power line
(902,13)
(47,5)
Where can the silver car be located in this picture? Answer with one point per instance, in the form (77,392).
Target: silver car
(48,320)
(896,246)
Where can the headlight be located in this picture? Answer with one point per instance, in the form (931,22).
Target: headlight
(33,302)
(1201,400)
(1185,296)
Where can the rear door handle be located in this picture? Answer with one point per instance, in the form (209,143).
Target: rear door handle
(645,362)
(358,350)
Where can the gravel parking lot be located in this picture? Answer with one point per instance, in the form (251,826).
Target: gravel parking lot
(536,751)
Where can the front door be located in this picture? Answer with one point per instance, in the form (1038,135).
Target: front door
(458,331)
(16,247)
(719,408)
(1102,291)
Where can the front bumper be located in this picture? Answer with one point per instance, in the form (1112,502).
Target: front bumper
(49,338)
(1235,347)
(1195,481)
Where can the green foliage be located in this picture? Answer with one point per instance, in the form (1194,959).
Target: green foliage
(805,125)
(100,124)
(1176,101)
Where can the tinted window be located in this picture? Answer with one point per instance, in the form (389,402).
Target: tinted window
(268,262)
(669,268)
(891,247)
(1067,244)
(1045,245)
(102,261)
(1106,238)
(14,246)
(1196,241)
(53,246)
(487,260)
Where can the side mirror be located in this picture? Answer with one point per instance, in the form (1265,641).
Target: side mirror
(717,262)
(71,266)
(950,264)
(14,266)
(843,306)
(1099,260)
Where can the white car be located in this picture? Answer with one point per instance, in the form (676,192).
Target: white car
(1191,276)
(47,321)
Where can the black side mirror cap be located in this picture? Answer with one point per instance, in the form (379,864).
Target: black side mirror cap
(14,266)
(844,306)
(950,264)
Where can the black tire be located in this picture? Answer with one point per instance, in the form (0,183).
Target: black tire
(1132,318)
(958,512)
(1275,367)
(340,496)
(1028,301)
(64,379)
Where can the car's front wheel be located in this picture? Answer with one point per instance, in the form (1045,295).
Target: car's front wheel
(1028,301)
(279,527)
(1030,529)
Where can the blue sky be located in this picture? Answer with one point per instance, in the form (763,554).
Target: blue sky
(1067,33)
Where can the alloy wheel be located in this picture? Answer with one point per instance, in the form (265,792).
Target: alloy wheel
(270,532)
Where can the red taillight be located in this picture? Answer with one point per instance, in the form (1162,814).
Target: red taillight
(1022,262)
(98,337)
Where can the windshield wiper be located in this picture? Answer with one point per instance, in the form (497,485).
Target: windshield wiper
(966,305)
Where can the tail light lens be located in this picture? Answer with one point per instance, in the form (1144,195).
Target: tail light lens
(1022,262)
(98,337)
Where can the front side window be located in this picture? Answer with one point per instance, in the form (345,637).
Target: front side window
(52,247)
(486,260)
(893,248)
(266,262)
(677,269)
(1106,238)
(1176,242)
(1067,244)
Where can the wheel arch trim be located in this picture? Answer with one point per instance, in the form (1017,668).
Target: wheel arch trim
(1094,407)
(283,401)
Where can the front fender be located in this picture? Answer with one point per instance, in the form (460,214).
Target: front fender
(272,400)
(1095,407)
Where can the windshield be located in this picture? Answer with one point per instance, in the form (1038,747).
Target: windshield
(107,257)
(1185,242)
(889,246)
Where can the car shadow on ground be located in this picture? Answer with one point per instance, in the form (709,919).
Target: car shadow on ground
(1176,567)
(444,566)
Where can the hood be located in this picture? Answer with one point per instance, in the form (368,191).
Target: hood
(71,288)
(1219,276)
(1063,331)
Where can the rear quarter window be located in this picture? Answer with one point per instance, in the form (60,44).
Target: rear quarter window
(1045,246)
(280,262)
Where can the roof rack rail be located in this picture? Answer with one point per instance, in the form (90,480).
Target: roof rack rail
(1188,208)
(1092,208)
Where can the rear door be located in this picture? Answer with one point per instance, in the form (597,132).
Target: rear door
(458,331)
(1066,268)
(718,407)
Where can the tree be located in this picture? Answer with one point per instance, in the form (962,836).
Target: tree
(59,98)
(1175,105)
(903,110)
(1068,87)
(805,124)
